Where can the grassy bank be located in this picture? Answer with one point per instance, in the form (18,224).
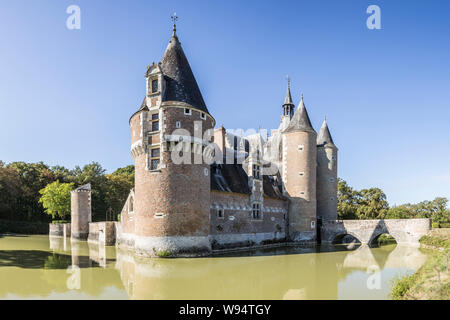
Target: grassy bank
(432,280)
(23,227)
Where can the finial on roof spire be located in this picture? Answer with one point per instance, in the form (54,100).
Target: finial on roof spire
(288,99)
(174,20)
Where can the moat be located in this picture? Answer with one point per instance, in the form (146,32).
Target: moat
(39,267)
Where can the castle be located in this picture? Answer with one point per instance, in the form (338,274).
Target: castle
(199,189)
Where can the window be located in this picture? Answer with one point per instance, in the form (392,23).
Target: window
(203,115)
(220,213)
(302,174)
(178,124)
(300,147)
(256,213)
(131,205)
(256,171)
(154,158)
(187,111)
(155,122)
(154,86)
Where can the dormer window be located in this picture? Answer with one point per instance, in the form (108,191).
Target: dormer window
(154,85)
(155,122)
(256,171)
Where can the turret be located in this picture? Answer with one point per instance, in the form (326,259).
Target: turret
(81,212)
(327,183)
(288,108)
(172,183)
(299,175)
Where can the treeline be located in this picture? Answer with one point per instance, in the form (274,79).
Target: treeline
(372,204)
(21,182)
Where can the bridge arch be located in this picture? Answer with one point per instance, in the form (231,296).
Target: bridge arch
(368,231)
(338,237)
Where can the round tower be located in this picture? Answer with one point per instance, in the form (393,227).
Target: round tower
(81,213)
(299,175)
(172,182)
(327,181)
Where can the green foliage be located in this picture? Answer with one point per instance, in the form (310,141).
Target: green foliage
(430,282)
(164,253)
(401,287)
(385,239)
(21,182)
(119,185)
(56,199)
(23,227)
(364,204)
(436,241)
(372,204)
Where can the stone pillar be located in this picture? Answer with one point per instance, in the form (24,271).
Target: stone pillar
(81,214)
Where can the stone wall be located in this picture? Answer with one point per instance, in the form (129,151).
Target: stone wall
(237,227)
(102,232)
(367,231)
(59,229)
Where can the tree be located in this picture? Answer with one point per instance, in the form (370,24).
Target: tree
(347,202)
(400,212)
(364,204)
(32,177)
(94,174)
(56,199)
(120,183)
(372,204)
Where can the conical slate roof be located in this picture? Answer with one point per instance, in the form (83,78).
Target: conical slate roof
(180,81)
(288,99)
(324,136)
(300,121)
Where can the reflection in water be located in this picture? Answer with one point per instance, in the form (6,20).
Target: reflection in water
(42,267)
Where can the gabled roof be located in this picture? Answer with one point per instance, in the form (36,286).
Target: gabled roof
(300,121)
(324,136)
(180,81)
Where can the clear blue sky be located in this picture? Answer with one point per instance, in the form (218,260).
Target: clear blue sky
(66,95)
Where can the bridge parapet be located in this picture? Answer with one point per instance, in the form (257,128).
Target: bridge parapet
(407,231)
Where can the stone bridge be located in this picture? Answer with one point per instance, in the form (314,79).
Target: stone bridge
(407,231)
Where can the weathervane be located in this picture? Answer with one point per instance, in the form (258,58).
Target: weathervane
(174,20)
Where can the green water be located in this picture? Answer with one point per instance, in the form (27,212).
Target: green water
(39,267)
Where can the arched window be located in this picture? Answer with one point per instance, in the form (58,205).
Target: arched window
(131,205)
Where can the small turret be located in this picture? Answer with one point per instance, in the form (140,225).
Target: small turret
(327,183)
(299,175)
(288,108)
(81,213)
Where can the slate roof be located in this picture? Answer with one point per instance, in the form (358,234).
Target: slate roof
(233,178)
(180,81)
(300,121)
(324,136)
(288,99)
(230,178)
